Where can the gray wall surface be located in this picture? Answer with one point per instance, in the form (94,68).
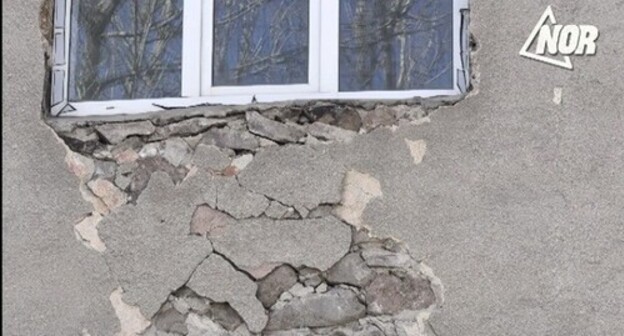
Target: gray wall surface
(518,205)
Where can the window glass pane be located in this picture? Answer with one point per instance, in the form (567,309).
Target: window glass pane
(396,44)
(125,49)
(260,42)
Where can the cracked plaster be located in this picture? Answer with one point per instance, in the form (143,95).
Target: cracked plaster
(254,243)
(149,248)
(298,176)
(217,279)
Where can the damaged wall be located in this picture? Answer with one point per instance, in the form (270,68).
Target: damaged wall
(240,220)
(321,219)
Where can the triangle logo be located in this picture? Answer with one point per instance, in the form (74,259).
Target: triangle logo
(548,15)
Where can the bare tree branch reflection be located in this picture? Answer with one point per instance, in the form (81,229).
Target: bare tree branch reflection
(126,49)
(261,42)
(395,44)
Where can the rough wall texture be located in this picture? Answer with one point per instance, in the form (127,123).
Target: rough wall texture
(231,221)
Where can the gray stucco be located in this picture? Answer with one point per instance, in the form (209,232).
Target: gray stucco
(518,204)
(51,284)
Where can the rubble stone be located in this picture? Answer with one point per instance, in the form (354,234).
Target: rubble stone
(81,140)
(216,279)
(299,290)
(105,169)
(273,285)
(330,133)
(321,211)
(108,193)
(379,257)
(322,288)
(208,221)
(225,316)
(115,133)
(186,128)
(125,156)
(350,270)
(176,151)
(336,307)
(170,320)
(344,117)
(388,294)
(273,130)
(122,181)
(232,139)
(380,116)
(202,326)
(151,150)
(82,166)
(310,276)
(147,167)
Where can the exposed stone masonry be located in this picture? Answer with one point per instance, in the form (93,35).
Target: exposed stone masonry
(288,255)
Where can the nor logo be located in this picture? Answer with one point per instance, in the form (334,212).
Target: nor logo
(550,41)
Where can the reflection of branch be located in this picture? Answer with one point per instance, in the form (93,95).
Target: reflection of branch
(93,18)
(157,26)
(112,81)
(269,60)
(394,44)
(132,48)
(258,39)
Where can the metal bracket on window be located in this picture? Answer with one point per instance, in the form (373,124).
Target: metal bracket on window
(463,74)
(58,100)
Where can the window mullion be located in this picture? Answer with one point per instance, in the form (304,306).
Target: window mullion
(207,33)
(330,17)
(314,45)
(191,48)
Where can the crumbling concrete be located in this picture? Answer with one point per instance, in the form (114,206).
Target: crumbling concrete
(254,243)
(218,279)
(149,249)
(306,177)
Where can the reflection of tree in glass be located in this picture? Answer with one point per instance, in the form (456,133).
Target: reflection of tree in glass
(125,49)
(260,42)
(395,44)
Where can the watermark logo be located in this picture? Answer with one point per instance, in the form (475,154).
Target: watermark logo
(552,40)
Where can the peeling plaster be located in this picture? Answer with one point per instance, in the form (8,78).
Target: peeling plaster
(359,190)
(130,317)
(86,231)
(252,243)
(417,149)
(223,178)
(217,279)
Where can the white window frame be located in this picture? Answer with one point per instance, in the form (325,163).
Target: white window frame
(197,89)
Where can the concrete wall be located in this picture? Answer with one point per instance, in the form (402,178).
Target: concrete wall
(517,205)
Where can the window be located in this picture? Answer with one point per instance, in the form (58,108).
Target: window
(133,56)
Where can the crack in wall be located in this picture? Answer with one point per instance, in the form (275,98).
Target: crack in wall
(82,136)
(80,165)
